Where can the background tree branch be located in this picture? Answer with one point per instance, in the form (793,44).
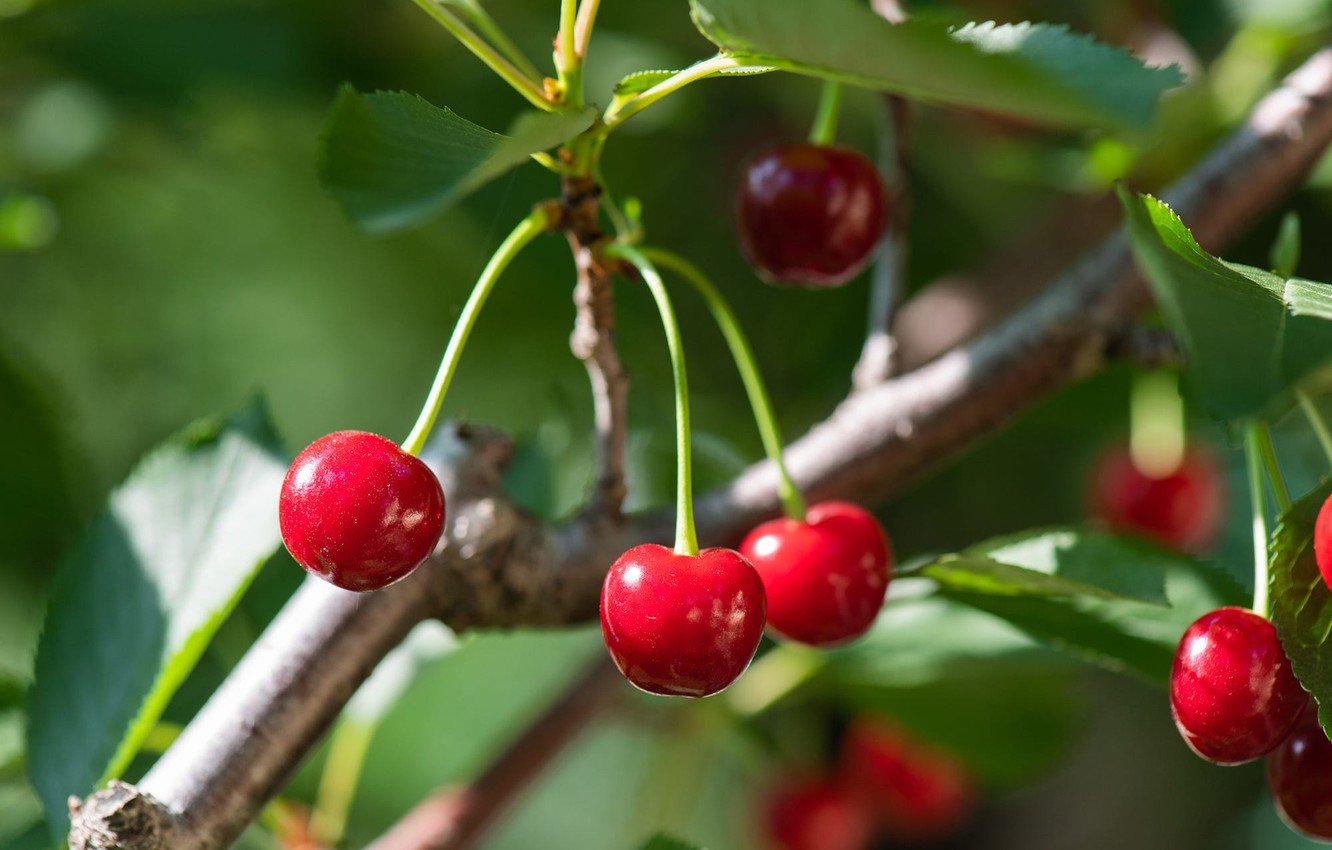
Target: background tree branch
(498,567)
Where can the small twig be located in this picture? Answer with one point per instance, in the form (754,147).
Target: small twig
(879,357)
(593,341)
(455,818)
(587,16)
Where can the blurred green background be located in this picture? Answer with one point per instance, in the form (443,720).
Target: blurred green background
(166,252)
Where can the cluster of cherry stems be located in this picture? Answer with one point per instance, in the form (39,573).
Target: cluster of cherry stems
(362,512)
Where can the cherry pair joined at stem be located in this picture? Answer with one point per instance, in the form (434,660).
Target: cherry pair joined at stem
(685,623)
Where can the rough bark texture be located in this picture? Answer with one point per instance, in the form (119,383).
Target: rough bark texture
(497,567)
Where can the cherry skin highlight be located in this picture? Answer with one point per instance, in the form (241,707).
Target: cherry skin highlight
(810,215)
(825,577)
(681,625)
(919,792)
(1323,541)
(1299,775)
(1183,510)
(815,813)
(358,511)
(1232,692)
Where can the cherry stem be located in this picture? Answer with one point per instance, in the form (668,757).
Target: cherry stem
(1316,421)
(486,52)
(824,131)
(743,354)
(621,110)
(527,230)
(1253,454)
(686,538)
(568,61)
(1268,452)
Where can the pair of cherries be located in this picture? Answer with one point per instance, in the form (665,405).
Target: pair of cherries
(688,625)
(1234,699)
(884,781)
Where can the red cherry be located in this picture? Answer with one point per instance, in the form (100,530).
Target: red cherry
(816,813)
(921,793)
(681,625)
(1232,692)
(358,511)
(810,215)
(1299,775)
(1183,509)
(825,577)
(1323,541)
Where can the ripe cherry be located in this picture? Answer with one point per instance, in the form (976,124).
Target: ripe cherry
(919,792)
(1183,509)
(816,813)
(1323,541)
(825,577)
(1232,692)
(358,511)
(810,215)
(681,625)
(1299,775)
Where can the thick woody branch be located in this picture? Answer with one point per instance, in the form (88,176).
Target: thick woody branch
(593,342)
(456,818)
(498,567)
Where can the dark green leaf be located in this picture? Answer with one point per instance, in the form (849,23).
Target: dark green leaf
(977,574)
(1248,333)
(1117,565)
(640,81)
(1036,71)
(141,595)
(393,159)
(1120,635)
(661,841)
(1301,601)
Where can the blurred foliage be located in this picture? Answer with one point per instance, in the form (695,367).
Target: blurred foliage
(165,252)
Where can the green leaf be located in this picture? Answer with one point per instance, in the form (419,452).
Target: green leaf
(1248,333)
(1117,565)
(1301,601)
(393,159)
(662,841)
(640,81)
(1036,71)
(974,574)
(1118,634)
(142,593)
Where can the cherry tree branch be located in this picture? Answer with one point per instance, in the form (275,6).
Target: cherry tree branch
(593,341)
(499,567)
(455,818)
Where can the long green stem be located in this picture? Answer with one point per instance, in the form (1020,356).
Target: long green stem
(686,538)
(743,354)
(337,784)
(1316,421)
(481,19)
(527,230)
(1268,452)
(568,63)
(824,131)
(1253,455)
(524,85)
(621,110)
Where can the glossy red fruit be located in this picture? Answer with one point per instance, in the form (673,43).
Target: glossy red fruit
(1232,692)
(825,577)
(1299,775)
(358,511)
(919,792)
(1323,541)
(810,215)
(815,813)
(681,625)
(1183,509)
